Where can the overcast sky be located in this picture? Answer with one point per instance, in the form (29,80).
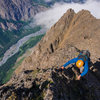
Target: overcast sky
(51,16)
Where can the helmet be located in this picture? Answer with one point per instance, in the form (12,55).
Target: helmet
(79,63)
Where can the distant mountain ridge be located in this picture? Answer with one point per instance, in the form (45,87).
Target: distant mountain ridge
(51,2)
(24,9)
(15,10)
(15,14)
(18,10)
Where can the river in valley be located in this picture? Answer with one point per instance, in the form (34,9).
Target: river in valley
(15,48)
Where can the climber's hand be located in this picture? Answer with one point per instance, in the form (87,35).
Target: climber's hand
(79,77)
(62,67)
(59,69)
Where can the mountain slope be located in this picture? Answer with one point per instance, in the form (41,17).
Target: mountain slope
(12,12)
(39,78)
(18,10)
(14,15)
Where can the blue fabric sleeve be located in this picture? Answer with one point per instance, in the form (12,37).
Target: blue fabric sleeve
(85,68)
(70,62)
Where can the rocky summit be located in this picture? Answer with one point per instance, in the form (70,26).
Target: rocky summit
(40,78)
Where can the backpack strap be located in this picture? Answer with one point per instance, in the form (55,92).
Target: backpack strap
(82,57)
(84,54)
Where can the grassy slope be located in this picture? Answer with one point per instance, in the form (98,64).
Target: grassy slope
(9,38)
(5,36)
(7,69)
(46,4)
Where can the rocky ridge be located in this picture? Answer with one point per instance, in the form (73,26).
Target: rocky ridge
(18,10)
(15,10)
(39,76)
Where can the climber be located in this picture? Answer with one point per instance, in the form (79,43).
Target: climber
(81,62)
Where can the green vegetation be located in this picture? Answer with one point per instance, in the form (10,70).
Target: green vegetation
(10,71)
(47,4)
(11,21)
(43,3)
(12,97)
(35,72)
(8,38)
(30,43)
(8,68)
(18,63)
(40,2)
(40,97)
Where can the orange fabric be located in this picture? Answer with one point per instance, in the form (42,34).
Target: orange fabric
(79,63)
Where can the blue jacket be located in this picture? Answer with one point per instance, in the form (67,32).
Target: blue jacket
(75,60)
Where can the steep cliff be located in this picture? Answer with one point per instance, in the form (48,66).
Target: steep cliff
(39,76)
(14,11)
(18,10)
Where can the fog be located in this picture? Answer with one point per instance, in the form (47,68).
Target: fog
(52,15)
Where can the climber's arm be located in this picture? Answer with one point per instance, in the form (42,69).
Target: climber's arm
(70,62)
(85,68)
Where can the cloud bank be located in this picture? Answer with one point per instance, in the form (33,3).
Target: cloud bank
(51,16)
(47,0)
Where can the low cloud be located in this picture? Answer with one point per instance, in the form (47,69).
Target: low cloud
(47,0)
(51,16)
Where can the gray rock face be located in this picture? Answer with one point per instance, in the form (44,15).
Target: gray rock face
(18,9)
(9,26)
(48,84)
